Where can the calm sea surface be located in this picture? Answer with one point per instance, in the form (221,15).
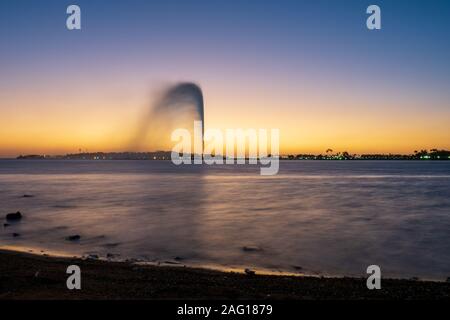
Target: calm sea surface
(314,217)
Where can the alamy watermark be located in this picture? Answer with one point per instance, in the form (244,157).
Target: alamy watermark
(241,146)
(374,20)
(73,21)
(374,280)
(74,280)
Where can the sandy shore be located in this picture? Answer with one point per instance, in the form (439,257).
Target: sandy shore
(27,276)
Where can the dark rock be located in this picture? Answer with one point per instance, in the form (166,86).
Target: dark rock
(6,225)
(74,237)
(16,234)
(27,196)
(178,258)
(14,216)
(249,272)
(251,249)
(297,267)
(111,245)
(171,262)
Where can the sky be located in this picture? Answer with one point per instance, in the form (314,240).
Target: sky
(312,69)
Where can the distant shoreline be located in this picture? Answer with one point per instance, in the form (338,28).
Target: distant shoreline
(27,276)
(281,159)
(433,154)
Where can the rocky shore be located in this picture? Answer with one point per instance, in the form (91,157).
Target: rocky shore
(28,276)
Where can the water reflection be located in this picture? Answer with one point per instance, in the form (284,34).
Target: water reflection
(314,217)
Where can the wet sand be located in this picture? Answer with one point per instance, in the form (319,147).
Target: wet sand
(29,276)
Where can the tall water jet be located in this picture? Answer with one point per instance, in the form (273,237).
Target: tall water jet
(182,95)
(179,100)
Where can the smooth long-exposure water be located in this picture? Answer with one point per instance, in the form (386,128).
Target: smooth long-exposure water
(314,217)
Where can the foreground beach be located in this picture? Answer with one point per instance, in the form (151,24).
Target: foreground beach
(28,276)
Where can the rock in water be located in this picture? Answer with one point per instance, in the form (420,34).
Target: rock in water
(251,249)
(27,196)
(14,216)
(15,235)
(75,237)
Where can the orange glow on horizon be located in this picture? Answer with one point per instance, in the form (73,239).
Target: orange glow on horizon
(63,121)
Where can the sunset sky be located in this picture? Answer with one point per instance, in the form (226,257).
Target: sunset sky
(310,68)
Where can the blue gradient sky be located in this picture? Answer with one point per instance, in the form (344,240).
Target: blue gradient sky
(310,68)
